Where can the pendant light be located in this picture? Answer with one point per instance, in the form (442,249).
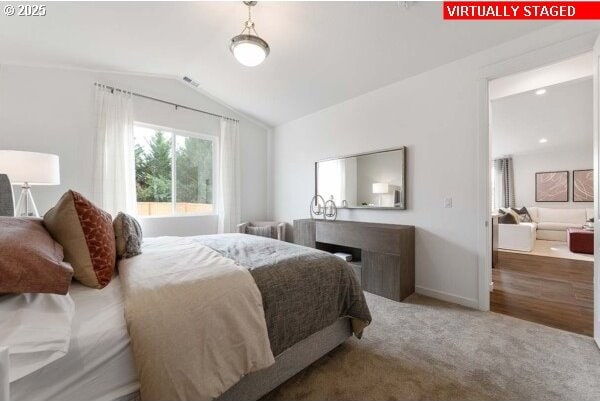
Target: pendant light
(247,47)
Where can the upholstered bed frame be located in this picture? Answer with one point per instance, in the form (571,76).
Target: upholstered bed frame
(287,364)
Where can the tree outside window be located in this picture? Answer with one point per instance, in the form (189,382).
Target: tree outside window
(174,172)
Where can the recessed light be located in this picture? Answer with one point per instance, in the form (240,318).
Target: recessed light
(543,140)
(540,92)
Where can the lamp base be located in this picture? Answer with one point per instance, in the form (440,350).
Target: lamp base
(26,206)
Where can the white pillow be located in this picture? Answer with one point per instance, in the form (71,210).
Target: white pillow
(36,328)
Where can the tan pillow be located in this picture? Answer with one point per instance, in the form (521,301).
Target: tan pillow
(512,213)
(87,236)
(515,215)
(30,260)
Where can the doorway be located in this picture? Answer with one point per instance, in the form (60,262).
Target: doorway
(542,194)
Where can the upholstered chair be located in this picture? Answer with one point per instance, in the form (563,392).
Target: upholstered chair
(270,229)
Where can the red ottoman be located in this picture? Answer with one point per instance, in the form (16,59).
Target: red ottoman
(580,240)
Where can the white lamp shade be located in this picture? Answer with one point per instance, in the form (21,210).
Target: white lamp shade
(31,167)
(249,54)
(380,188)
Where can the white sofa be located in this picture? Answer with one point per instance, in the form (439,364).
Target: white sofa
(517,237)
(552,223)
(548,224)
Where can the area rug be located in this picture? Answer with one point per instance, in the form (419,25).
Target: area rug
(554,249)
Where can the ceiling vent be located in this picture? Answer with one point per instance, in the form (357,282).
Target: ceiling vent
(190,81)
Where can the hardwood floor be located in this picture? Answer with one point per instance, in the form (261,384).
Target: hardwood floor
(551,291)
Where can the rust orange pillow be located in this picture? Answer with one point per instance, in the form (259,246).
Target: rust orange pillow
(30,260)
(87,237)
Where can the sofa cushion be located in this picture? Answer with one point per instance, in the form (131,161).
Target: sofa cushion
(533,212)
(556,226)
(589,214)
(571,216)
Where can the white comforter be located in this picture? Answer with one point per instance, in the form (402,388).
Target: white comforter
(195,319)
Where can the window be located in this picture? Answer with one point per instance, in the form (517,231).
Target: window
(174,171)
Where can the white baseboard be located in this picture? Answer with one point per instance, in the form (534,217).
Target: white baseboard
(444,296)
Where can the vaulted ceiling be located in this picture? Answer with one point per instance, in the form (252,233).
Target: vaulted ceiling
(322,53)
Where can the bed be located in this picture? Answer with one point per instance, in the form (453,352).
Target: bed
(99,363)
(312,303)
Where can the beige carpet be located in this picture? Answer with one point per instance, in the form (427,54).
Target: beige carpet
(425,349)
(554,249)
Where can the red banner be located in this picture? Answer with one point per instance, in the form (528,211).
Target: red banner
(515,10)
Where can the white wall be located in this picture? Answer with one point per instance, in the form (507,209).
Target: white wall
(52,111)
(435,115)
(569,159)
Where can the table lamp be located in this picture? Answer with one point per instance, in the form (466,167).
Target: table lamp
(29,169)
(380,188)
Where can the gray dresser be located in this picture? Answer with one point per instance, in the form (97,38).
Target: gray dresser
(383,254)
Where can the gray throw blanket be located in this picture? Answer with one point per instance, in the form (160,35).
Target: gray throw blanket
(303,290)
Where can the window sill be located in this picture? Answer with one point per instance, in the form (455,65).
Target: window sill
(169,216)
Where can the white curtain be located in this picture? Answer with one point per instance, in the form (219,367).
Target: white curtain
(114,175)
(228,197)
(351,178)
(337,179)
(332,180)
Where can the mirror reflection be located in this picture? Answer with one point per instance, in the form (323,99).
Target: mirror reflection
(370,180)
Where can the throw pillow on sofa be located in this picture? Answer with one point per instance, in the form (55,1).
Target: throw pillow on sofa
(507,217)
(524,216)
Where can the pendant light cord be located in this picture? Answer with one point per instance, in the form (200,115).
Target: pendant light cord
(249,24)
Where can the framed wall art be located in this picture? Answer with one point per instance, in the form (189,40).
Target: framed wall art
(583,185)
(552,186)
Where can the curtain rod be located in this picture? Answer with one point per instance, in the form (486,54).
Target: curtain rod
(177,106)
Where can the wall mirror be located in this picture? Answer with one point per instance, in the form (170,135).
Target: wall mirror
(374,180)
